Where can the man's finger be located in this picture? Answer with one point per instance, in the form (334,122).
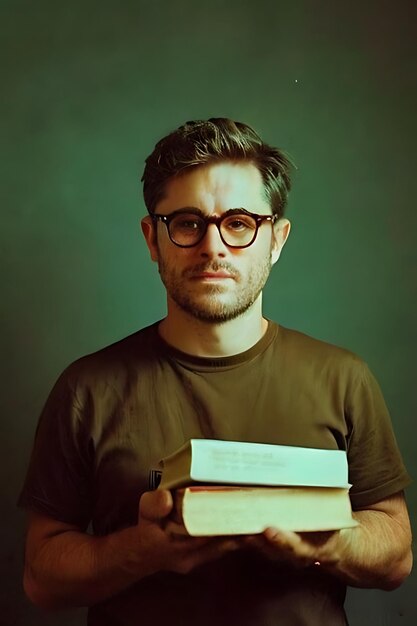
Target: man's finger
(155,505)
(283,538)
(211,551)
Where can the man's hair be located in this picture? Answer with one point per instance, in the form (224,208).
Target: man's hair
(203,142)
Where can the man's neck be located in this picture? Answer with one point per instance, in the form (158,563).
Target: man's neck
(193,336)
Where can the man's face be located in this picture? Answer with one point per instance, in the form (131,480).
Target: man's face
(212,281)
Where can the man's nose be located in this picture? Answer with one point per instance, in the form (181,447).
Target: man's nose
(212,244)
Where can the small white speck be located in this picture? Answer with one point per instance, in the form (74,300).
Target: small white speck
(296,80)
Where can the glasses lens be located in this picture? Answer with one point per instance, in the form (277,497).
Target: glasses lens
(238,229)
(187,229)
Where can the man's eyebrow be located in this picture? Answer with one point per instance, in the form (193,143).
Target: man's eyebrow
(195,211)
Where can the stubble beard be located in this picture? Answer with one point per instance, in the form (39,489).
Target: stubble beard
(205,302)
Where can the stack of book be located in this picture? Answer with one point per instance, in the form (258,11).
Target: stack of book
(231,487)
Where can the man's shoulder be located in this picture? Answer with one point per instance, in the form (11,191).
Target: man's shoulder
(121,356)
(311,350)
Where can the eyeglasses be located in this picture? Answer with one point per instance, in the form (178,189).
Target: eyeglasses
(237,228)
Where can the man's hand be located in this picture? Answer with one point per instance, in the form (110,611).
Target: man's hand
(162,544)
(298,549)
(374,554)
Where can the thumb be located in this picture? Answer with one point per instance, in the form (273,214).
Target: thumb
(155,505)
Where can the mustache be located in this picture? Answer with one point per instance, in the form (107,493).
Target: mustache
(213,266)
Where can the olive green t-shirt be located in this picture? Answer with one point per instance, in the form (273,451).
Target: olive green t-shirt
(114,414)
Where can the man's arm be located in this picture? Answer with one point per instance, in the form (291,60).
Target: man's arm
(65,567)
(375,554)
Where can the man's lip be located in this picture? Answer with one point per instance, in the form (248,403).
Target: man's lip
(213,275)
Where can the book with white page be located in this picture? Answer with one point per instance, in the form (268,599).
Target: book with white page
(245,463)
(236,510)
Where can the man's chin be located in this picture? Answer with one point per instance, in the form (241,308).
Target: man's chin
(213,313)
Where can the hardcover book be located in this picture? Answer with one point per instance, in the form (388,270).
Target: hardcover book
(242,463)
(210,510)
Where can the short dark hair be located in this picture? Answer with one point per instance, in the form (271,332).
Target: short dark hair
(202,142)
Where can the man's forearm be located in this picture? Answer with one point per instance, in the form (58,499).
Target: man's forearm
(68,568)
(375,554)
(75,569)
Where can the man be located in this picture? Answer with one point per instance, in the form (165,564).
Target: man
(214,367)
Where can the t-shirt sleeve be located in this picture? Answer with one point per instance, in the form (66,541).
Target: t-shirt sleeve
(376,468)
(58,480)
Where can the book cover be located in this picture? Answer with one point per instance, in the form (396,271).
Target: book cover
(233,462)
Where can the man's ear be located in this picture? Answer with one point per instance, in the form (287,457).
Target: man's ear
(149,232)
(280,233)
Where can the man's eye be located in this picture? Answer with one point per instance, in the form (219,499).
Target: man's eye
(187,224)
(239,224)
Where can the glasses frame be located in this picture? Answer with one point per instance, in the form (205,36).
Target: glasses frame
(167,219)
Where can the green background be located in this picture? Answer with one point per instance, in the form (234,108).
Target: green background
(88,88)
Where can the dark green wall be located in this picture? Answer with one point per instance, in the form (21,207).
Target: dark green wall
(87,88)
